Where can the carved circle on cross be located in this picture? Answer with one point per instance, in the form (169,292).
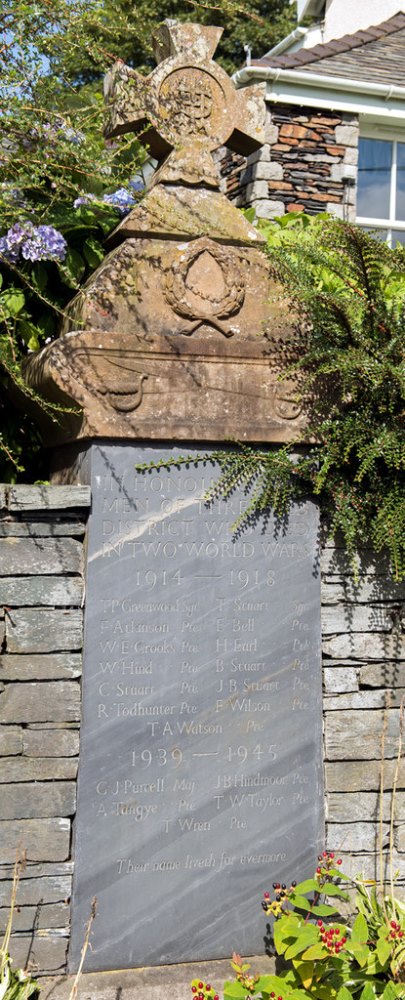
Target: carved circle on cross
(192,105)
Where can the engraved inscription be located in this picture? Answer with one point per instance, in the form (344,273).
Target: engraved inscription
(203,648)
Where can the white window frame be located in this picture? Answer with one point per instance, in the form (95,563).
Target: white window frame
(390,223)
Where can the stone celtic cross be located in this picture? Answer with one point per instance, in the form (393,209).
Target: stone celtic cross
(186,108)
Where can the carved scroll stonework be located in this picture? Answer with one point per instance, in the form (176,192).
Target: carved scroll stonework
(171,336)
(137,388)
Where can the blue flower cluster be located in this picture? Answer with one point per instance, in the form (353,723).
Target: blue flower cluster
(121,199)
(32,243)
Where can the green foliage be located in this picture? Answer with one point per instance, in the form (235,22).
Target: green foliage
(81,37)
(348,363)
(319,957)
(15,984)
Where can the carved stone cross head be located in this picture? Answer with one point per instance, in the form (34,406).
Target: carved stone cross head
(187,107)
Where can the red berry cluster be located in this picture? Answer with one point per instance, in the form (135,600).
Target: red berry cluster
(395,933)
(332,938)
(203,991)
(327,861)
(273,995)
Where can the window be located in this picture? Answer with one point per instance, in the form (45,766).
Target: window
(381,188)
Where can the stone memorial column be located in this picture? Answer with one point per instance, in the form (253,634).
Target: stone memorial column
(200,777)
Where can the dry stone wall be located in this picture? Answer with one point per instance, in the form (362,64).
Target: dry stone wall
(41,592)
(363,645)
(41,596)
(308,163)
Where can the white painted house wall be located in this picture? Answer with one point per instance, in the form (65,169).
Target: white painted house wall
(336,18)
(344,18)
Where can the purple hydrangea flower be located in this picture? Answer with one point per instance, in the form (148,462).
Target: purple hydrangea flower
(84,199)
(121,199)
(45,243)
(5,251)
(33,243)
(76,138)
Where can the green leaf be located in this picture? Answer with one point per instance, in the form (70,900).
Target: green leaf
(268,984)
(310,885)
(93,251)
(331,889)
(344,994)
(359,929)
(373,965)
(12,301)
(301,903)
(324,910)
(368,993)
(33,343)
(314,952)
(307,936)
(284,931)
(360,952)
(249,214)
(383,950)
(305,971)
(235,991)
(392,991)
(39,276)
(73,266)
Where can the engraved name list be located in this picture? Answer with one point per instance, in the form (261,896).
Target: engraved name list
(199,770)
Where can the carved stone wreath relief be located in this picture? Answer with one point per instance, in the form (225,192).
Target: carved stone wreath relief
(206,284)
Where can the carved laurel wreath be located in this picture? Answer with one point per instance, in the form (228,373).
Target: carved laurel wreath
(178,295)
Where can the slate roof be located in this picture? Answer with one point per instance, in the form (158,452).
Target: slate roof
(375,53)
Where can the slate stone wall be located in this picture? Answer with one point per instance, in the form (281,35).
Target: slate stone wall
(308,164)
(41,591)
(363,649)
(41,595)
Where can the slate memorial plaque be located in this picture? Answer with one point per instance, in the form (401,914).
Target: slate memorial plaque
(200,769)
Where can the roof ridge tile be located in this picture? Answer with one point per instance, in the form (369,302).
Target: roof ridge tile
(347,42)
